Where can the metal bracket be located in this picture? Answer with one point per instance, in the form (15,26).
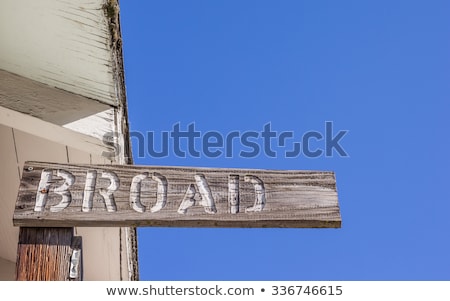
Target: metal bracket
(75,270)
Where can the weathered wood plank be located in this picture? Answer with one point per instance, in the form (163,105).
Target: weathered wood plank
(60,195)
(44,254)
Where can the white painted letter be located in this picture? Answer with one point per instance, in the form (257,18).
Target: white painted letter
(108,193)
(161,194)
(89,189)
(207,198)
(260,193)
(233,193)
(135,192)
(188,200)
(63,190)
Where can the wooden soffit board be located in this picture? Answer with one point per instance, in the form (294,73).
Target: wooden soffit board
(70,45)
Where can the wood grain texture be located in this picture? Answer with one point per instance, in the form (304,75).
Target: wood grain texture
(267,198)
(44,254)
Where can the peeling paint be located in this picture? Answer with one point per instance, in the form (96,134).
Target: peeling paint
(63,44)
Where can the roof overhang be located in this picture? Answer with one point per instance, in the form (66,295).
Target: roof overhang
(62,79)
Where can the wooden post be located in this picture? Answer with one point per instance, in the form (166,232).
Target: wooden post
(45,254)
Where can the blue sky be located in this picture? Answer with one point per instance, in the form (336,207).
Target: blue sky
(379,69)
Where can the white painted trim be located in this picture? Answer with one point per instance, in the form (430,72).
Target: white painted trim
(48,103)
(64,44)
(52,132)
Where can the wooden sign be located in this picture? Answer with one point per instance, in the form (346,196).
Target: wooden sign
(58,195)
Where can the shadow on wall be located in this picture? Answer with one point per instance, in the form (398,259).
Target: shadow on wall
(7,270)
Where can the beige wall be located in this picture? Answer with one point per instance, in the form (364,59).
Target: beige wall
(7,269)
(101,246)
